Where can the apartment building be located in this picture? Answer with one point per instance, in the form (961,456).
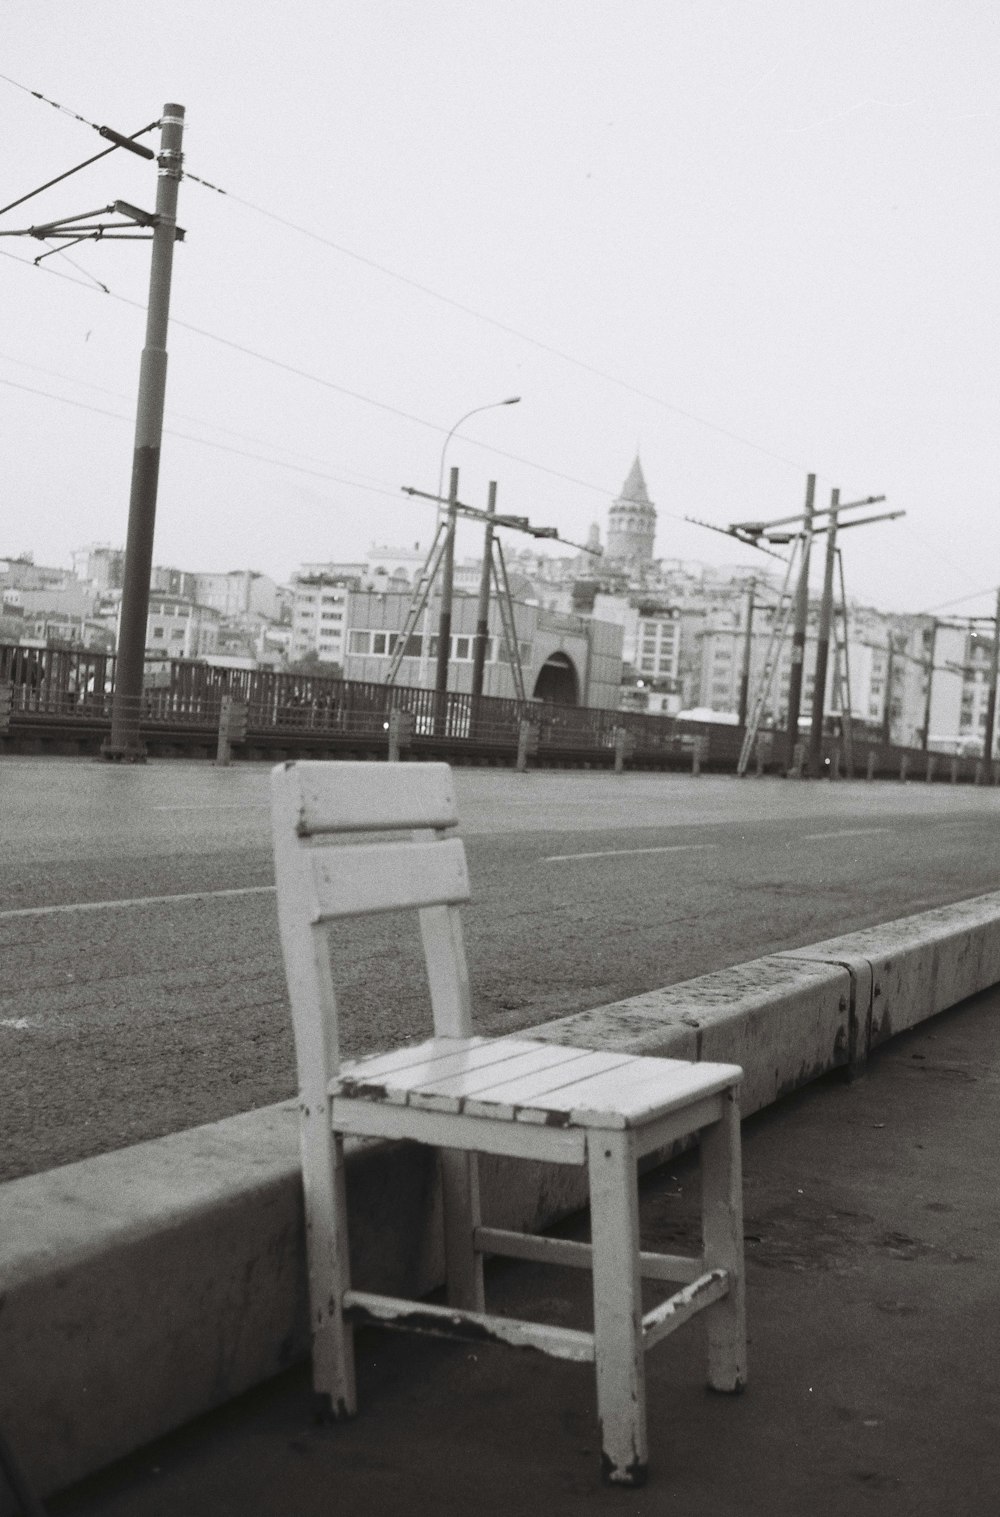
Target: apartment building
(319,614)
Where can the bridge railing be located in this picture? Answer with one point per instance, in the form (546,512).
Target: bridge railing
(56,692)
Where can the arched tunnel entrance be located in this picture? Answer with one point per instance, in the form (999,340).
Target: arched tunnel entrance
(557,681)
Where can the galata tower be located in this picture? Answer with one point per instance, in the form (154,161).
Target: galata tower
(632,522)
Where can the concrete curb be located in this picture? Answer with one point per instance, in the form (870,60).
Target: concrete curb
(144,1287)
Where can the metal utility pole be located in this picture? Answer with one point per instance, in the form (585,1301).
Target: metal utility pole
(930,680)
(747,652)
(991,698)
(799,628)
(887,708)
(823,642)
(447,588)
(483,612)
(125,743)
(846,704)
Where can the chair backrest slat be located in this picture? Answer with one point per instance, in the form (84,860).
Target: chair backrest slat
(321,876)
(341,797)
(362,878)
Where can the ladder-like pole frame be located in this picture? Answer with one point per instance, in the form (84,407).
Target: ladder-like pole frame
(779,626)
(418,600)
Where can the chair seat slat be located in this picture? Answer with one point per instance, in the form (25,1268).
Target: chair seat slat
(379,1064)
(632,1095)
(431,1064)
(506,1098)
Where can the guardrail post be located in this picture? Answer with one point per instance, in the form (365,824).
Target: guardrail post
(394,736)
(6,705)
(954,769)
(904,765)
(696,754)
(527,743)
(798,761)
(223,752)
(402,725)
(931,765)
(233,717)
(624,747)
(870,770)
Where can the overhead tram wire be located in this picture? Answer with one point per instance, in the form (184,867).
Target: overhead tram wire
(432,294)
(329,384)
(426,290)
(26,89)
(939,555)
(198,421)
(960,600)
(501,326)
(207,442)
(117,140)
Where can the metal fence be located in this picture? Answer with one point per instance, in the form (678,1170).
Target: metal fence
(53,695)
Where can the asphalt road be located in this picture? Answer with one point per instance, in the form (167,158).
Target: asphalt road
(141,988)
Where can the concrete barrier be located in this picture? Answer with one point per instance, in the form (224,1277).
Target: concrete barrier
(907,970)
(784,1021)
(144,1287)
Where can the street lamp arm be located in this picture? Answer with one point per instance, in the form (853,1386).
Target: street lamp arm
(493,405)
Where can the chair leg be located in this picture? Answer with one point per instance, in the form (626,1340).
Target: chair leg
(329,1270)
(460,1202)
(618,1348)
(722,1241)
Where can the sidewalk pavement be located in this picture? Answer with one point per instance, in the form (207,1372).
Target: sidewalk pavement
(873,1257)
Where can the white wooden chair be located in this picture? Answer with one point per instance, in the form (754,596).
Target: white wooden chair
(466,1095)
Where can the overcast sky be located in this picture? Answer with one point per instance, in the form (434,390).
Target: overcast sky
(749,239)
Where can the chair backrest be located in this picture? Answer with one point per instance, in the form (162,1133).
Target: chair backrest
(319,804)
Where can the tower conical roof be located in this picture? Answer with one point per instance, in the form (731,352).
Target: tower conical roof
(634,487)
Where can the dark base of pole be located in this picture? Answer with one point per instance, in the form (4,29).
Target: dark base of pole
(123,753)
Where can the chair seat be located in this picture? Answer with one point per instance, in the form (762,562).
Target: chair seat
(525,1080)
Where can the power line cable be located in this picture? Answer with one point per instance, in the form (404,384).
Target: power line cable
(959,600)
(117,140)
(61,252)
(381,405)
(198,421)
(438,295)
(938,553)
(330,384)
(603,490)
(29,263)
(54,103)
(501,326)
(206,442)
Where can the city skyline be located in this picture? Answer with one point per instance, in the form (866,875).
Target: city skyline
(751,243)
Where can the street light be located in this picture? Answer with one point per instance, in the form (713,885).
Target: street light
(494,405)
(448,566)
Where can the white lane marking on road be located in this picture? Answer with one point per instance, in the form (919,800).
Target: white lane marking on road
(615,853)
(223,806)
(19,1024)
(137,900)
(846,832)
